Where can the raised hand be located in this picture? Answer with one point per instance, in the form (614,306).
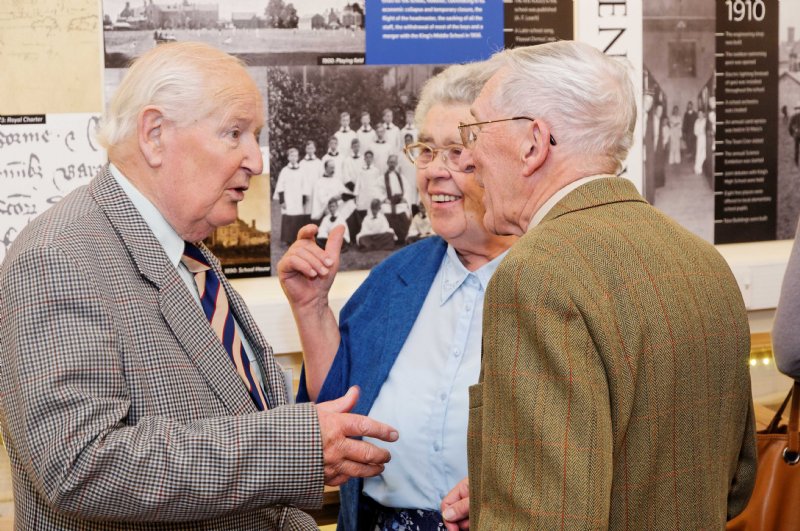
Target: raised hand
(306,271)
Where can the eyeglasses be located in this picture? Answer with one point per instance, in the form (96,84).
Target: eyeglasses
(469,132)
(422,155)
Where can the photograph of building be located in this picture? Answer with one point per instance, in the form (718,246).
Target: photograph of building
(262,32)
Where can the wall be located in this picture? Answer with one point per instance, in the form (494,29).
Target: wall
(53,52)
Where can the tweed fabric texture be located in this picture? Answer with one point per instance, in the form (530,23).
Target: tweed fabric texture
(615,386)
(120,407)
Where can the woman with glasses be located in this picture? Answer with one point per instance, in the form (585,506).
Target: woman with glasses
(410,336)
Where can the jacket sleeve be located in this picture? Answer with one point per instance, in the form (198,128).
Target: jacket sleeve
(65,410)
(785,331)
(744,478)
(337,381)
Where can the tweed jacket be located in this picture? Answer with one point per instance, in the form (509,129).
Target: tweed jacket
(120,407)
(615,387)
(374,325)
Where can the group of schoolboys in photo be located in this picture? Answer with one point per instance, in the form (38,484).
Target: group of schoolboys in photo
(364,181)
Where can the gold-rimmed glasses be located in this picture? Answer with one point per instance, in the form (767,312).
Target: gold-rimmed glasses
(422,155)
(469,132)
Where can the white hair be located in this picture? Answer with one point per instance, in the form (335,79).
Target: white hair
(584,96)
(453,85)
(186,80)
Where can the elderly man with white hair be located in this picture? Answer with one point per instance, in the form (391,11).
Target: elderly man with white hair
(138,392)
(614,389)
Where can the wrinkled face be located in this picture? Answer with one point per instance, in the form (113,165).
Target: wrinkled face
(496,158)
(206,165)
(454,200)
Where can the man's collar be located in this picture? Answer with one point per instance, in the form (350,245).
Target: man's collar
(559,195)
(163,231)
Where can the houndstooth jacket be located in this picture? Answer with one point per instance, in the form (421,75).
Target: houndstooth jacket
(120,407)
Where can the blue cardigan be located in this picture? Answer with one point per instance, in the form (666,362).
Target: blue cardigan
(374,325)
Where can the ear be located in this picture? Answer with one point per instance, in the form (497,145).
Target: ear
(536,146)
(150,135)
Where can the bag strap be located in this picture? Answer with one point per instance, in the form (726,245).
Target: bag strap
(772,427)
(794,436)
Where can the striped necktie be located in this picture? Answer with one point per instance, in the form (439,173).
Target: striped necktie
(217,310)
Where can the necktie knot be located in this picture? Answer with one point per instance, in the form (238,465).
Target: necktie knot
(193,258)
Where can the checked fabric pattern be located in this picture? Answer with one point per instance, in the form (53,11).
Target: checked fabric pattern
(217,310)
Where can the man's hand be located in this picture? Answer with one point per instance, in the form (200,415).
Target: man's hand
(306,271)
(343,457)
(455,507)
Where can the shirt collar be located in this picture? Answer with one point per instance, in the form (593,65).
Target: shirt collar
(454,274)
(559,195)
(169,239)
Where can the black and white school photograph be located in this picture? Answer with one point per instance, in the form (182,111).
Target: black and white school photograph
(679,111)
(788,119)
(260,32)
(336,156)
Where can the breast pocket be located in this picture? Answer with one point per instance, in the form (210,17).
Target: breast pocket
(474,433)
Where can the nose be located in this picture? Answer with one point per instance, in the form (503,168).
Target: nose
(253,161)
(465,162)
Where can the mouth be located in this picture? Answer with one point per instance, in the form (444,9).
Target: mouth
(444,198)
(238,192)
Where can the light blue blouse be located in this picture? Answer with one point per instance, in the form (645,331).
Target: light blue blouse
(425,394)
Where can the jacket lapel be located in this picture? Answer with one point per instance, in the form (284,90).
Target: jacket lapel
(405,294)
(180,311)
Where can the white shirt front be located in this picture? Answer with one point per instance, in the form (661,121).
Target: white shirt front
(377,224)
(324,190)
(311,170)
(292,185)
(369,186)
